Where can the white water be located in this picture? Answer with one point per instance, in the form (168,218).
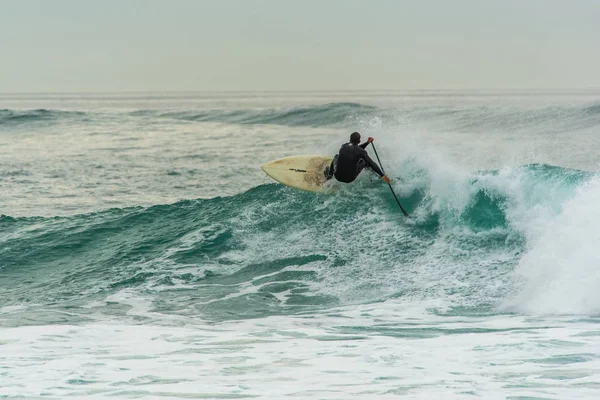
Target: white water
(382,351)
(561,269)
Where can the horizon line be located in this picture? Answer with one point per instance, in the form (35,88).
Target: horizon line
(282,91)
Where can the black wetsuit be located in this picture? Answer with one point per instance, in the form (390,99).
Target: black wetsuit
(350,161)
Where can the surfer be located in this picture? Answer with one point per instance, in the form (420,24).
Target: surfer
(351,160)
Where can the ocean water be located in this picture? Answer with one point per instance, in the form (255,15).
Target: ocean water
(144,254)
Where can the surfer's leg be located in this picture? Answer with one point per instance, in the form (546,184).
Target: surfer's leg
(329,171)
(360,165)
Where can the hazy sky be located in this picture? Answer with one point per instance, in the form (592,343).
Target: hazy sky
(148,45)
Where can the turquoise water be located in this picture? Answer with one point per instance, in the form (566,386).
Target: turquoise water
(144,254)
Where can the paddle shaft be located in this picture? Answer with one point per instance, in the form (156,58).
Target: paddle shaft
(382,170)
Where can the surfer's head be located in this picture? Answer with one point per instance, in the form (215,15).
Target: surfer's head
(355,138)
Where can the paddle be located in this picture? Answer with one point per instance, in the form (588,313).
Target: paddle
(396,197)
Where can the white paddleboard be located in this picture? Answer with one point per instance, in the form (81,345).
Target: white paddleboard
(300,172)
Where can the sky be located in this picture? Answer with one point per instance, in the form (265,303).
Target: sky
(250,45)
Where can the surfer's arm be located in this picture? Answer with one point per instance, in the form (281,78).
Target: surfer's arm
(365,144)
(372,163)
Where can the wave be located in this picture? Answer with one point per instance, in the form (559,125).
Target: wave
(274,250)
(320,115)
(9,117)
